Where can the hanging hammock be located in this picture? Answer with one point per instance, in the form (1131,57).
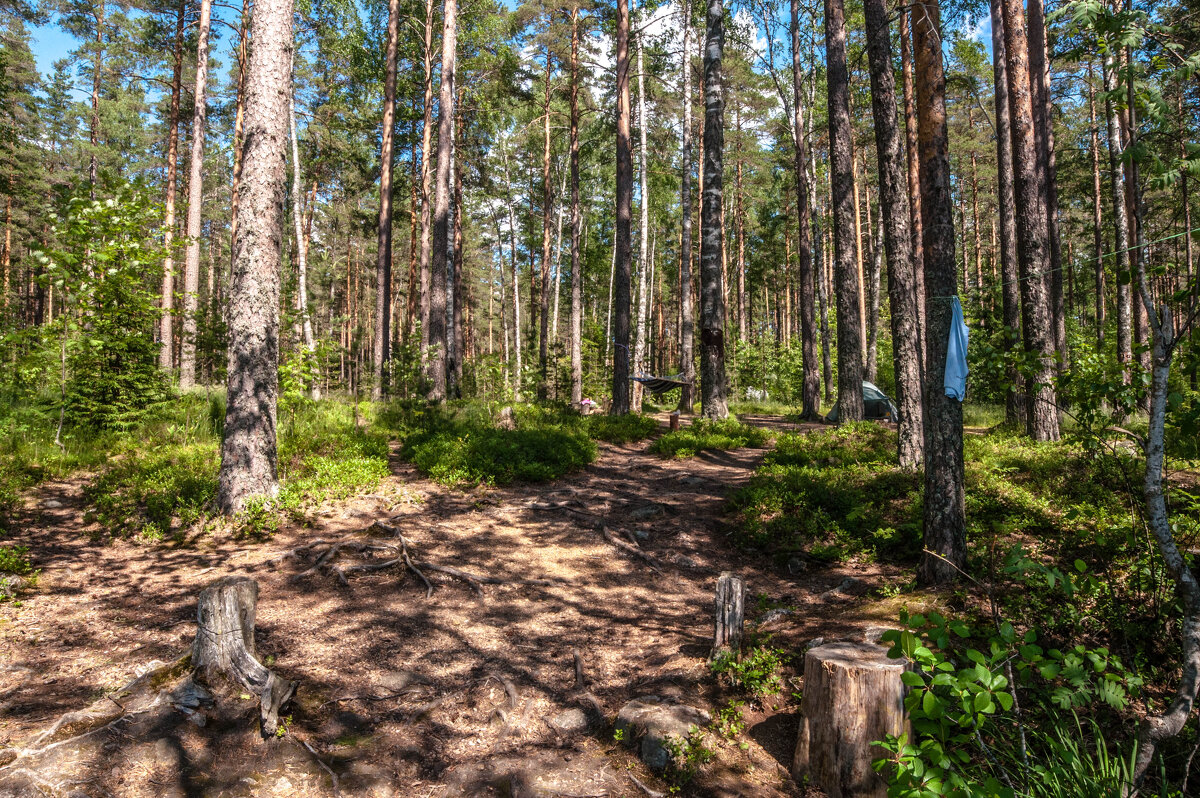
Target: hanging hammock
(657,385)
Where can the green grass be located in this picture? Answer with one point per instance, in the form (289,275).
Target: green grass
(709,434)
(620,429)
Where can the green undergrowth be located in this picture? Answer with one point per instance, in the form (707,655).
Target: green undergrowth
(709,434)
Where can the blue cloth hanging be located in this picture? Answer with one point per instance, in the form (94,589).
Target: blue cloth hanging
(956,354)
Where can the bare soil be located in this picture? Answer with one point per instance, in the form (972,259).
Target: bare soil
(454,694)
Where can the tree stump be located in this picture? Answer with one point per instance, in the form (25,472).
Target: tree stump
(853,695)
(674,421)
(225,645)
(730,606)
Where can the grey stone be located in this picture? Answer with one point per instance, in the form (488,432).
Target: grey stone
(641,534)
(570,721)
(646,511)
(653,723)
(395,681)
(797,565)
(53,504)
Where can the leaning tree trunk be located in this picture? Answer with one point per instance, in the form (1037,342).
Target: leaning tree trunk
(383,253)
(713,403)
(224,645)
(623,250)
(438,271)
(191,265)
(1010,284)
(1033,246)
(687,323)
(894,208)
(945,500)
(841,156)
(810,392)
(249,451)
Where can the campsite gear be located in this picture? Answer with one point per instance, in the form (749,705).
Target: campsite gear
(955,381)
(877,406)
(657,385)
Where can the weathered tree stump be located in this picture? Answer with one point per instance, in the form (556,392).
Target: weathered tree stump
(853,695)
(730,604)
(225,645)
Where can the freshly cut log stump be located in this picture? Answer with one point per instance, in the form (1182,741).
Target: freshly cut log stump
(730,606)
(225,645)
(853,695)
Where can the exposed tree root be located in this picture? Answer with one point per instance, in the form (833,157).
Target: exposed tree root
(646,557)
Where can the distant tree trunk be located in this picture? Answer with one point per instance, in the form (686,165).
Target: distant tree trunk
(249,451)
(841,157)
(1016,411)
(644,261)
(457,334)
(426,176)
(739,221)
(383,253)
(914,173)
(624,254)
(713,402)
(301,240)
(687,323)
(238,125)
(166,332)
(516,284)
(874,272)
(438,334)
(1039,76)
(810,392)
(543,390)
(1097,212)
(1120,219)
(894,216)
(576,224)
(191,268)
(1141,330)
(945,501)
(98,11)
(1032,244)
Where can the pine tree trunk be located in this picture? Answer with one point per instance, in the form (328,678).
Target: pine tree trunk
(644,262)
(576,225)
(457,334)
(98,11)
(841,157)
(1032,236)
(543,390)
(166,333)
(191,267)
(383,252)
(516,283)
(301,241)
(945,507)
(739,221)
(810,391)
(438,334)
(1098,216)
(895,215)
(238,128)
(1010,289)
(1116,140)
(623,252)
(713,401)
(875,247)
(914,174)
(249,451)
(687,323)
(426,177)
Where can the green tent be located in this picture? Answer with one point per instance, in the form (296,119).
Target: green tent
(877,405)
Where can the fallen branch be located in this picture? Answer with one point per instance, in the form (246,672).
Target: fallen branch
(326,768)
(646,557)
(645,789)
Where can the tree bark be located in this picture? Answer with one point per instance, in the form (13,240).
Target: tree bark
(687,323)
(426,176)
(1097,211)
(1032,235)
(543,390)
(713,401)
(841,157)
(810,392)
(644,261)
(191,268)
(576,225)
(381,355)
(945,501)
(1016,411)
(239,120)
(249,452)
(166,331)
(914,173)
(624,195)
(301,241)
(894,210)
(730,606)
(439,340)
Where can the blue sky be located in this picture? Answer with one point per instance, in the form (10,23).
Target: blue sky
(50,43)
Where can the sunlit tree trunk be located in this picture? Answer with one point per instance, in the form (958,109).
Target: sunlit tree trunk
(624,195)
(810,392)
(383,254)
(713,390)
(543,389)
(438,269)
(644,264)
(687,332)
(166,355)
(576,225)
(914,175)
(426,177)
(1097,212)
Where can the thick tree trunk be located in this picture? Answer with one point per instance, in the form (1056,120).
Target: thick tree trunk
(644,258)
(576,225)
(191,267)
(439,338)
(623,252)
(853,697)
(810,392)
(713,402)
(543,390)
(914,172)
(249,451)
(426,177)
(1016,411)
(841,156)
(687,323)
(383,254)
(895,215)
(166,332)
(1033,246)
(945,507)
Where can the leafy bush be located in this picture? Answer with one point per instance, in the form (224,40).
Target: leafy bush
(14,559)
(152,492)
(498,456)
(707,433)
(620,429)
(757,673)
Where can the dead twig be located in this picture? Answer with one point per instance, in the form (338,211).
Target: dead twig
(326,768)
(649,559)
(645,789)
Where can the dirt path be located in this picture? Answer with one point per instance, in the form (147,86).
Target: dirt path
(408,696)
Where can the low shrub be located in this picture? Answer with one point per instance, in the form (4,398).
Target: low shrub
(709,434)
(620,429)
(498,456)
